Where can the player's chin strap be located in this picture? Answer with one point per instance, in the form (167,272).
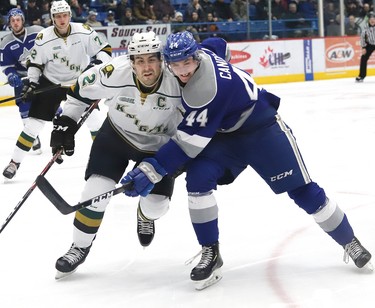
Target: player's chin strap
(47,167)
(38,91)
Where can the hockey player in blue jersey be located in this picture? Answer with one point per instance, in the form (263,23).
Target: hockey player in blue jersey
(231,123)
(14,49)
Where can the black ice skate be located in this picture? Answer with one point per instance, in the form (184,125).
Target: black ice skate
(11,170)
(68,263)
(359,79)
(37,146)
(208,271)
(145,229)
(358,253)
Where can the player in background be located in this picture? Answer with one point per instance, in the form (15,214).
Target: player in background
(143,113)
(231,123)
(60,54)
(14,49)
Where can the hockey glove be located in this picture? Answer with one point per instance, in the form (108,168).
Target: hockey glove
(14,80)
(144,177)
(28,91)
(62,136)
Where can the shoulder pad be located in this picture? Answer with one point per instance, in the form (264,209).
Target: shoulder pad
(205,79)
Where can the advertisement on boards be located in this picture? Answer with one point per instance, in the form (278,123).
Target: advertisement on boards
(344,52)
(119,36)
(269,58)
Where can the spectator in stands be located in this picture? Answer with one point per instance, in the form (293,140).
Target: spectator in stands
(110,19)
(352,8)
(91,19)
(7,5)
(277,9)
(179,26)
(351,27)
(33,15)
(334,28)
(329,14)
(208,7)
(143,12)
(109,5)
(120,10)
(162,8)
(210,29)
(261,11)
(166,19)
(364,10)
(194,6)
(128,18)
(294,21)
(77,11)
(239,10)
(223,11)
(45,16)
(308,8)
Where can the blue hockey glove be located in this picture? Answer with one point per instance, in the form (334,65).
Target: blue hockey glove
(144,177)
(28,91)
(14,80)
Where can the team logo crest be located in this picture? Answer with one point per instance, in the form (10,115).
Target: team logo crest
(87,27)
(108,70)
(39,37)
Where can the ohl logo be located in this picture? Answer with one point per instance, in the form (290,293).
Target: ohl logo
(340,53)
(273,59)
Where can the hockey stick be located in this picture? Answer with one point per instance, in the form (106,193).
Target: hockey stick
(46,168)
(38,91)
(64,207)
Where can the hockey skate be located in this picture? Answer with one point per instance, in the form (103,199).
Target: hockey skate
(37,146)
(11,170)
(68,263)
(359,254)
(208,270)
(145,229)
(359,79)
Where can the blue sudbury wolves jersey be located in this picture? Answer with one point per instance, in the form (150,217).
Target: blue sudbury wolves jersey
(218,98)
(14,51)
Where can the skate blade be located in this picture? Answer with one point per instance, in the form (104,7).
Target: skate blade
(214,278)
(36,152)
(368,266)
(61,275)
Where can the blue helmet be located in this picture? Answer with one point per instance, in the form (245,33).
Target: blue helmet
(180,46)
(15,12)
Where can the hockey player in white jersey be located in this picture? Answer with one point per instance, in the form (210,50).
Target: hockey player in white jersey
(60,54)
(144,111)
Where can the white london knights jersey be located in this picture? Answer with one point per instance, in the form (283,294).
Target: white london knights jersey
(148,121)
(63,59)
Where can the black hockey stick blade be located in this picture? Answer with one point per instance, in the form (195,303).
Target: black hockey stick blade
(65,208)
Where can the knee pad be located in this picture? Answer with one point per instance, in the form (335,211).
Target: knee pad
(33,127)
(202,175)
(154,206)
(96,185)
(309,197)
(202,207)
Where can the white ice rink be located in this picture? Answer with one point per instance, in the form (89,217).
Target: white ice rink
(274,254)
